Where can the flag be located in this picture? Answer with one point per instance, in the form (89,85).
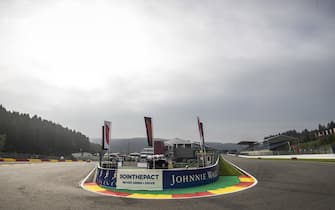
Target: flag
(201,132)
(148,127)
(202,141)
(106,135)
(199,127)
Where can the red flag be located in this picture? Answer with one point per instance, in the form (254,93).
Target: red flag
(200,130)
(148,127)
(199,127)
(202,134)
(106,135)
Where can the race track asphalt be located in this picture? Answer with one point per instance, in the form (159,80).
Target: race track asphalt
(282,184)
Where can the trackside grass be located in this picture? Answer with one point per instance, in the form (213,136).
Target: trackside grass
(226,169)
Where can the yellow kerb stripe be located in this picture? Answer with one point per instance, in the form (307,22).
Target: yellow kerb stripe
(9,159)
(245,179)
(94,188)
(150,196)
(225,190)
(35,160)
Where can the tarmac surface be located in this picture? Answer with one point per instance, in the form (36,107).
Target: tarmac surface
(282,184)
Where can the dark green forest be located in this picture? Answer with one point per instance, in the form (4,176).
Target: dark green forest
(311,135)
(21,133)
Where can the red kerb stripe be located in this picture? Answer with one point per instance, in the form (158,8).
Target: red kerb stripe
(244,184)
(18,160)
(114,193)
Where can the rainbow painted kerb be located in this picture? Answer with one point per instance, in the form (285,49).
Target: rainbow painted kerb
(224,185)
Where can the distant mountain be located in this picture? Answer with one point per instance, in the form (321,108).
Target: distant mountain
(127,145)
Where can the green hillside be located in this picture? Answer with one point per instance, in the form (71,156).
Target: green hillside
(21,133)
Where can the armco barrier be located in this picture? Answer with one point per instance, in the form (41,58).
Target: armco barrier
(301,156)
(156,179)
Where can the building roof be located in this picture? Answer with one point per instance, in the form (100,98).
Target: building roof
(178,141)
(279,139)
(247,143)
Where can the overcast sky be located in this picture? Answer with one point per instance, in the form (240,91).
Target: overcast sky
(247,68)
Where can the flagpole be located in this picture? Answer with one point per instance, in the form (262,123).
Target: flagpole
(109,146)
(204,146)
(108,137)
(103,142)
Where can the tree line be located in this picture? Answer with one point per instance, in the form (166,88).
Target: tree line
(307,135)
(21,133)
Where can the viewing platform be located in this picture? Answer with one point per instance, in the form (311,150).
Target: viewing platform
(132,177)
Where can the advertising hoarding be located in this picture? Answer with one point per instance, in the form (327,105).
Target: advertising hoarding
(139,179)
(156,179)
(189,178)
(106,177)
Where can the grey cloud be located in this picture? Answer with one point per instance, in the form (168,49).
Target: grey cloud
(248,69)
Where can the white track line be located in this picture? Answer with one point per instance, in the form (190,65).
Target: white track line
(256,181)
(84,180)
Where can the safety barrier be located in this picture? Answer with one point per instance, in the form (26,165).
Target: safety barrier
(156,179)
(302,156)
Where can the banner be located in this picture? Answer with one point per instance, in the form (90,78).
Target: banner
(190,177)
(156,179)
(106,135)
(139,179)
(199,126)
(106,177)
(201,132)
(148,127)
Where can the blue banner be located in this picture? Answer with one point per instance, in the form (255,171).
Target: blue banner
(189,178)
(106,177)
